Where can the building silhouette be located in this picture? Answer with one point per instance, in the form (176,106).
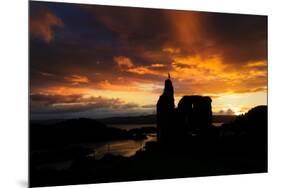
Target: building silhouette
(165,112)
(193,115)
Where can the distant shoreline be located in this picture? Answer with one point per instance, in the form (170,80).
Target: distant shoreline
(143,119)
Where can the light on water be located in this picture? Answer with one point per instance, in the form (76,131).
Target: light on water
(124,148)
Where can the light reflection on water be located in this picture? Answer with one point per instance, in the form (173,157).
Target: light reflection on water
(217,124)
(128,127)
(125,148)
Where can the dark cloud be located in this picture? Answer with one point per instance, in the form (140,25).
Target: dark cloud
(53,99)
(240,38)
(133,26)
(43,23)
(42,103)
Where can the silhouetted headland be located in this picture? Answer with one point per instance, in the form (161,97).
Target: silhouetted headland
(75,131)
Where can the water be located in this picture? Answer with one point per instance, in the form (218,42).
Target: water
(217,124)
(128,127)
(133,126)
(124,148)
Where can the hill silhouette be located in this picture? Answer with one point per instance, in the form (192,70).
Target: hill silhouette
(73,131)
(151,119)
(142,119)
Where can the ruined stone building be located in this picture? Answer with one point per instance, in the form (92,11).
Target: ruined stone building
(193,114)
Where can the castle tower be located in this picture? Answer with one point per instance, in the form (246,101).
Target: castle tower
(169,89)
(165,111)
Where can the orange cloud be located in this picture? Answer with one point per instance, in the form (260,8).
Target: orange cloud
(158,65)
(77,79)
(61,90)
(197,75)
(123,62)
(142,70)
(42,24)
(171,50)
(187,30)
(126,64)
(107,85)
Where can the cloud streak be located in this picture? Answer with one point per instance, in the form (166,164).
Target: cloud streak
(42,103)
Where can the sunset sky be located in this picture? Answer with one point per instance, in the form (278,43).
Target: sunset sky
(101,61)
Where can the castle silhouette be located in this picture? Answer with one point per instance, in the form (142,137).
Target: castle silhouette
(193,115)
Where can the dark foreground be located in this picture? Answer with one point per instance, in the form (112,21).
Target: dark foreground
(236,148)
(154,165)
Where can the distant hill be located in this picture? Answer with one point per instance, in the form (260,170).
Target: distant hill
(151,119)
(144,119)
(73,131)
(223,118)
